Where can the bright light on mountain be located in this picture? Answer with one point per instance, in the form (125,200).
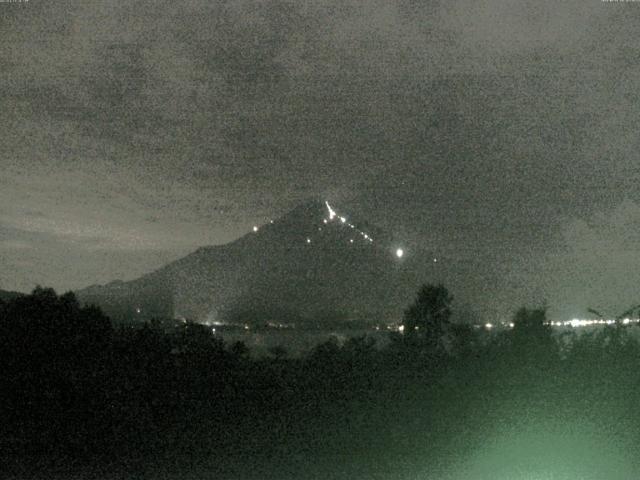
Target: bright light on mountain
(331,212)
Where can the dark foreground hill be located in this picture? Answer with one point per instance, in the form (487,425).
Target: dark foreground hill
(313,265)
(82,400)
(6,296)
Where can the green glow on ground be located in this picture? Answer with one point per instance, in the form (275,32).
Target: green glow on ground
(561,451)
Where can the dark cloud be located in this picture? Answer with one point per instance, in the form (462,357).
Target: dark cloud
(476,128)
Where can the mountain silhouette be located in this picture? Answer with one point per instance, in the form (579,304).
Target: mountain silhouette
(313,265)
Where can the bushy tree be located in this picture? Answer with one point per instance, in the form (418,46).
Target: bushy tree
(428,318)
(531,340)
(531,325)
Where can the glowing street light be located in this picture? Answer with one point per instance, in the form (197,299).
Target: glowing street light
(255,228)
(399,253)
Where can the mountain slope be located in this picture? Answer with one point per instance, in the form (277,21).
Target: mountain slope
(310,265)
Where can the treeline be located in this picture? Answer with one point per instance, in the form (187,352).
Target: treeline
(73,386)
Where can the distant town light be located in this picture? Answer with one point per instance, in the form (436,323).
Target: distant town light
(255,228)
(308,240)
(399,253)
(488,326)
(343,220)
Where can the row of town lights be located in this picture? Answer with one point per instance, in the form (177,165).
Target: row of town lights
(573,323)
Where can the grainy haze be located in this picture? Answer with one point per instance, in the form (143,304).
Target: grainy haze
(499,134)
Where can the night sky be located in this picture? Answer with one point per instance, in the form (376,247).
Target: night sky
(500,136)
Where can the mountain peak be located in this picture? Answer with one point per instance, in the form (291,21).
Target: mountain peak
(314,262)
(317,220)
(311,210)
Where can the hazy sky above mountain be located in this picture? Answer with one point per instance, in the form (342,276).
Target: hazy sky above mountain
(499,134)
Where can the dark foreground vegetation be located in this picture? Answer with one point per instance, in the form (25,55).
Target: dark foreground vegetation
(80,398)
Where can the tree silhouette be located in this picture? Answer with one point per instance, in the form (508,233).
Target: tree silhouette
(278,352)
(427,319)
(532,337)
(531,323)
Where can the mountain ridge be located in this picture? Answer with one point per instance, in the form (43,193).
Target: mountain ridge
(311,263)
